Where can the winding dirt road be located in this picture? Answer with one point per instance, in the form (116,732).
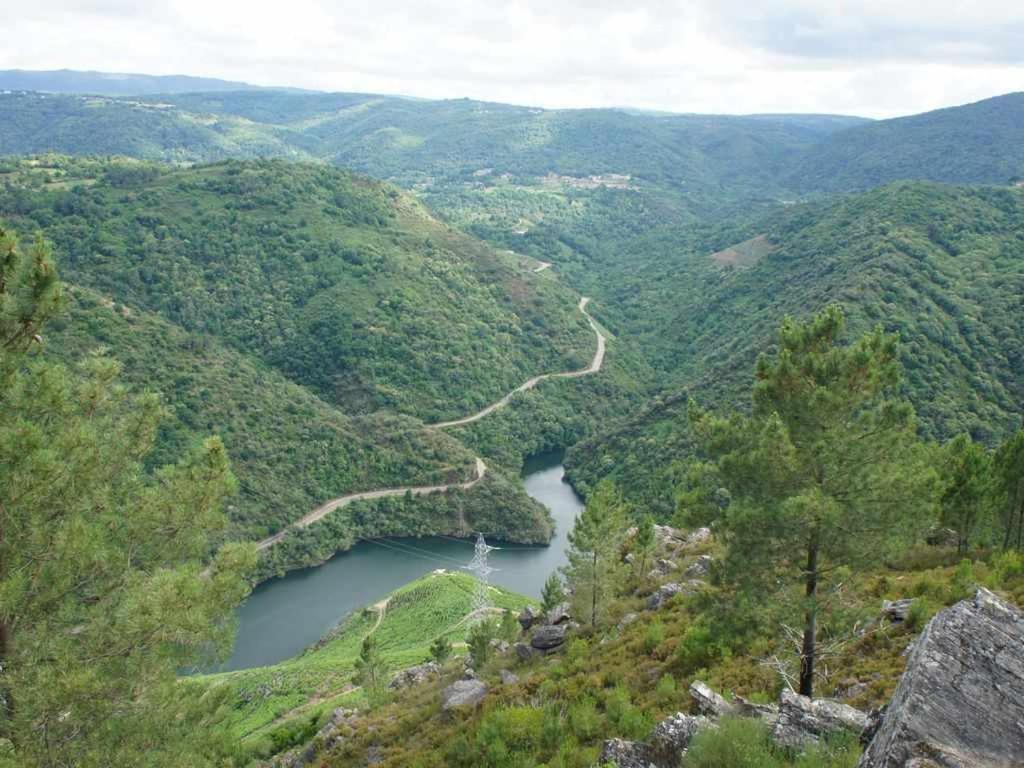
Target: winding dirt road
(594,367)
(481,468)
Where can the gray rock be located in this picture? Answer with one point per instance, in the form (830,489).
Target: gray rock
(897,610)
(664,567)
(501,646)
(666,592)
(671,737)
(414,676)
(769,713)
(802,720)
(558,614)
(626,620)
(626,754)
(710,702)
(698,537)
(548,637)
(667,536)
(700,568)
(469,674)
(527,618)
(524,651)
(959,702)
(629,559)
(508,677)
(942,537)
(463,693)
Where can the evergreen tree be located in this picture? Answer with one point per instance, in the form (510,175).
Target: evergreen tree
(552,594)
(479,642)
(1009,490)
(595,540)
(968,478)
(825,473)
(509,627)
(105,591)
(643,543)
(441,649)
(371,669)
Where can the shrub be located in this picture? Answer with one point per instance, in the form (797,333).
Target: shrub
(654,637)
(920,614)
(735,743)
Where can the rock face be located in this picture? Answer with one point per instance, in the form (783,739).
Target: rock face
(463,693)
(802,720)
(549,637)
(414,676)
(961,700)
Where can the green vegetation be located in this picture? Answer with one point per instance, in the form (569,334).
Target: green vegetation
(940,266)
(103,593)
(826,475)
(404,629)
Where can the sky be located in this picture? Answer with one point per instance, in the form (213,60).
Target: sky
(875,58)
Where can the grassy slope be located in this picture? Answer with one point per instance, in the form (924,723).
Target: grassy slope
(940,265)
(416,615)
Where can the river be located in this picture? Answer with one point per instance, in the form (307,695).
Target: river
(284,616)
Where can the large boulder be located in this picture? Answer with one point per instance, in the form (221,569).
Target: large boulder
(463,693)
(414,676)
(524,651)
(960,701)
(700,568)
(664,749)
(558,614)
(802,720)
(549,637)
(897,610)
(527,618)
(667,591)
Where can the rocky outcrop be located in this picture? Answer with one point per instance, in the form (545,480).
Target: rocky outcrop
(664,749)
(802,720)
(463,693)
(626,754)
(666,592)
(527,618)
(961,700)
(709,702)
(558,614)
(700,568)
(414,676)
(697,537)
(549,637)
(326,739)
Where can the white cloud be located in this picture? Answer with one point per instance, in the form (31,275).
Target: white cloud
(872,57)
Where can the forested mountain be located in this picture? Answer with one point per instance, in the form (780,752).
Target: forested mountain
(942,266)
(974,143)
(312,318)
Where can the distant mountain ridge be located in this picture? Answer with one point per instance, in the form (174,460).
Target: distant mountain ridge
(115,83)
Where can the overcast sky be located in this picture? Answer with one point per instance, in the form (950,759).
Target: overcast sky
(872,57)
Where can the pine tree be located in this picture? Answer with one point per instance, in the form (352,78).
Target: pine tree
(371,670)
(643,543)
(553,594)
(595,541)
(1008,465)
(968,479)
(105,586)
(479,642)
(825,473)
(509,627)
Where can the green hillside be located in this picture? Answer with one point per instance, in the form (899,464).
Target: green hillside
(345,285)
(975,143)
(942,266)
(403,624)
